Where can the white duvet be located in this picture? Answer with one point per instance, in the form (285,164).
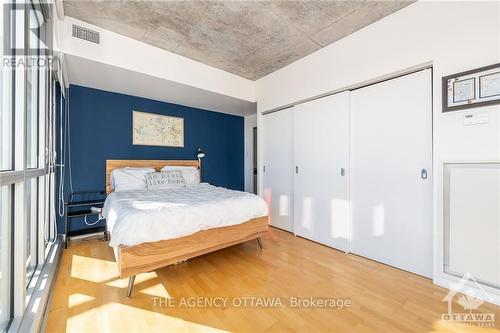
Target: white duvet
(135,217)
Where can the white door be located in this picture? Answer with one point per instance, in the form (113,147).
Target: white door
(278,167)
(391,158)
(321,151)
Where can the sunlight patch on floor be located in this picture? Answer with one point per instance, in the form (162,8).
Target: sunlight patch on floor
(78,299)
(143,278)
(156,290)
(93,269)
(97,319)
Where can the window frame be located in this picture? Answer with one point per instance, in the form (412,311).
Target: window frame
(10,92)
(44,236)
(34,103)
(10,274)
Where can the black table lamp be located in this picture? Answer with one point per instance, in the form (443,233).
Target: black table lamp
(200,154)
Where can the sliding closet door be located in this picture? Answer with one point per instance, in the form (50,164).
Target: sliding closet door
(321,137)
(278,167)
(391,158)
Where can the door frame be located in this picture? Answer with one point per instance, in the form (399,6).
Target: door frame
(255,166)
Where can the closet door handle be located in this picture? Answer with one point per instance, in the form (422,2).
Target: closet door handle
(342,172)
(423,173)
(296,169)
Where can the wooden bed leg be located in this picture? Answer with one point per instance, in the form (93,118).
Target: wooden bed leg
(259,240)
(130,285)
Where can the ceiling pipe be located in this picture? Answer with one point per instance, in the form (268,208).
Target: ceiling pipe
(64,71)
(60,72)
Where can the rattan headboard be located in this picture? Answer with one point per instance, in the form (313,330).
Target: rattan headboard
(157,164)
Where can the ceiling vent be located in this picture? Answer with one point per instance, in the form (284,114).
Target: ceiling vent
(86,34)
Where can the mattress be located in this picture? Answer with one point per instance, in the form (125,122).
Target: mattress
(136,217)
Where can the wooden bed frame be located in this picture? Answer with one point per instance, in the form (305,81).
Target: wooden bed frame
(147,257)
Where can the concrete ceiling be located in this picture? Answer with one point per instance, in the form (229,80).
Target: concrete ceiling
(247,38)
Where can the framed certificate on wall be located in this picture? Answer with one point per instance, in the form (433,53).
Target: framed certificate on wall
(472,89)
(489,85)
(464,90)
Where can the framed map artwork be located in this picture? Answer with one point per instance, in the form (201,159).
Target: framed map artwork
(150,129)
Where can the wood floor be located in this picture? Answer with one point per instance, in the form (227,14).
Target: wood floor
(89,296)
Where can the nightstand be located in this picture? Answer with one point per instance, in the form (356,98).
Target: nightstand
(79,205)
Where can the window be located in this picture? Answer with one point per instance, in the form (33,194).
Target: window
(27,146)
(5,108)
(50,231)
(32,94)
(6,163)
(5,255)
(31,227)
(31,119)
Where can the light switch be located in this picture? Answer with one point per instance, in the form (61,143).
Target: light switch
(476,118)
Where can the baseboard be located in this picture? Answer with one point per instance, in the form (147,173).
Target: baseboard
(482,292)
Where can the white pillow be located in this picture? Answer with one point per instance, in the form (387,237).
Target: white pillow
(129,179)
(191,174)
(167,179)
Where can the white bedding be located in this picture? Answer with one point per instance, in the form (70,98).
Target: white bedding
(135,217)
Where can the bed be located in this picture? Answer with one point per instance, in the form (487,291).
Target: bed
(151,229)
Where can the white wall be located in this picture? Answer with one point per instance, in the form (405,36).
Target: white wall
(250,123)
(98,75)
(453,36)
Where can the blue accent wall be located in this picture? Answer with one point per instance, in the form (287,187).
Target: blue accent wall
(101,128)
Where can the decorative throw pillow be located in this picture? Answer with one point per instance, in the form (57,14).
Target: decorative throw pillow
(191,174)
(167,179)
